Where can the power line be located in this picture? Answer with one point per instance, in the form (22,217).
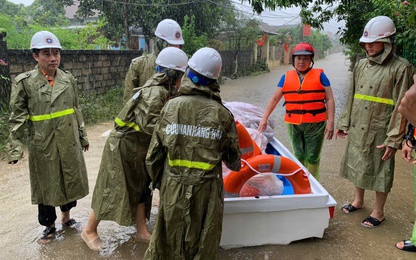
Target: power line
(268,15)
(152,4)
(235,6)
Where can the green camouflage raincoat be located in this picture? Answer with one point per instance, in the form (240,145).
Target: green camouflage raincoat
(194,135)
(122,181)
(56,135)
(371,119)
(141,69)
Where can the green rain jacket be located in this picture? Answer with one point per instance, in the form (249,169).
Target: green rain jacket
(141,69)
(194,135)
(122,181)
(56,135)
(371,119)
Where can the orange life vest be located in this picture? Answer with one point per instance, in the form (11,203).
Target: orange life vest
(248,147)
(305,102)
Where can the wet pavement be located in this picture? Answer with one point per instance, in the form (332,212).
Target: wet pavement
(343,239)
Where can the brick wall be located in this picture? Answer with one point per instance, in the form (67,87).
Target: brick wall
(96,71)
(99,70)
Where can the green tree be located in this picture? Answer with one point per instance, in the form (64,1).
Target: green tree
(18,31)
(210,16)
(193,42)
(120,15)
(9,8)
(260,5)
(91,36)
(48,13)
(243,34)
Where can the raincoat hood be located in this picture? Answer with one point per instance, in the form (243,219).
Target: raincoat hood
(189,88)
(385,55)
(160,79)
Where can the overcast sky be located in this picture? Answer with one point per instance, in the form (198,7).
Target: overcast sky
(25,2)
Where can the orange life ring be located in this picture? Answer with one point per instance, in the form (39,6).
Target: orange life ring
(268,163)
(248,146)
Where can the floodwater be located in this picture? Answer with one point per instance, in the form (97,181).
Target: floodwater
(343,239)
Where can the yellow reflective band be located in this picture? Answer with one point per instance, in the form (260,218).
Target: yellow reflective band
(375,99)
(190,164)
(128,124)
(52,115)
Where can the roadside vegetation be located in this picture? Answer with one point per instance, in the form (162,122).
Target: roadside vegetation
(99,108)
(4,128)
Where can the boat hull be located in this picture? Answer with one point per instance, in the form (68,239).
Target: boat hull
(278,220)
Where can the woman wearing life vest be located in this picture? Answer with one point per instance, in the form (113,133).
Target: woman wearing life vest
(407,108)
(310,107)
(370,119)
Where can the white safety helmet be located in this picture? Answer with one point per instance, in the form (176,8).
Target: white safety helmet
(44,40)
(207,62)
(172,58)
(377,28)
(170,31)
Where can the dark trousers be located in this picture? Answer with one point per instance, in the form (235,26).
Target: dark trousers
(47,214)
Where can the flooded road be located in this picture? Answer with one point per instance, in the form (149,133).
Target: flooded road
(343,239)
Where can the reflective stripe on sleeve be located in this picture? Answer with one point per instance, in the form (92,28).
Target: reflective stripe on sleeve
(375,99)
(128,124)
(52,115)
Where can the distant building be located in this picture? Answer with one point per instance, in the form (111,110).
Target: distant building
(137,39)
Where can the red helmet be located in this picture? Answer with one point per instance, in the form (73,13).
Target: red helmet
(303,48)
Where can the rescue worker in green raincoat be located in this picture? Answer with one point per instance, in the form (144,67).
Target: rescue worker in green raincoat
(374,127)
(121,192)
(142,68)
(45,101)
(194,135)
